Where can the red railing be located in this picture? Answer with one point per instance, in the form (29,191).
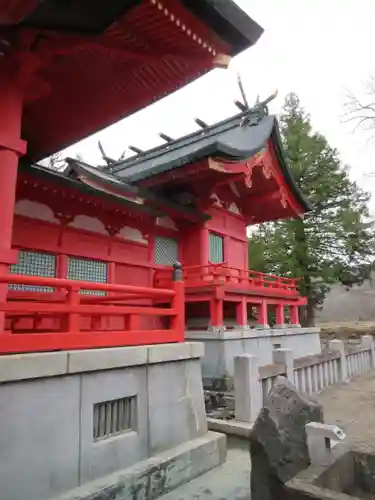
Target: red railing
(65,318)
(222,274)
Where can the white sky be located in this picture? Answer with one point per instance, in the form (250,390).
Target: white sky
(316,48)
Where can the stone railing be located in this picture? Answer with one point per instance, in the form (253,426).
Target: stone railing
(314,373)
(310,374)
(268,375)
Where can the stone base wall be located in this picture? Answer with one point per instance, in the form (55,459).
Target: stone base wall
(222,347)
(156,476)
(60,413)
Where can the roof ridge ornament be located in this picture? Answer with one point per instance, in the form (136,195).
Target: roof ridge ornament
(255,114)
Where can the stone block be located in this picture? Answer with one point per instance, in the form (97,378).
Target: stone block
(278,445)
(230,427)
(106,359)
(39,438)
(34,365)
(285,357)
(104,456)
(248,388)
(197,349)
(163,353)
(158,475)
(176,410)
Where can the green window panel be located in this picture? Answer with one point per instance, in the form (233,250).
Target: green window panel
(216,248)
(34,264)
(91,270)
(166,251)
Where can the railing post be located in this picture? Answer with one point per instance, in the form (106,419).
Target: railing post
(294,316)
(178,302)
(216,314)
(247,387)
(262,315)
(73,319)
(368,342)
(285,357)
(339,346)
(279,316)
(132,322)
(241,313)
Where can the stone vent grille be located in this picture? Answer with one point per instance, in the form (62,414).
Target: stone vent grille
(166,251)
(34,264)
(91,270)
(114,417)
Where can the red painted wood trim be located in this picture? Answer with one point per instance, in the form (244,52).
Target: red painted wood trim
(34,342)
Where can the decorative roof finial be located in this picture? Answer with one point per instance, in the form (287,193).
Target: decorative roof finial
(259,111)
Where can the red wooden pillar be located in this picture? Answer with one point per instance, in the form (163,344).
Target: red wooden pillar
(263,315)
(216,313)
(294,315)
(204,246)
(241,313)
(279,316)
(11,148)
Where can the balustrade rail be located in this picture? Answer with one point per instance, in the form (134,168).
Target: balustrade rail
(358,360)
(222,274)
(68,317)
(268,375)
(310,374)
(314,373)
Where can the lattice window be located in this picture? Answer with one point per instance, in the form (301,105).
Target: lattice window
(216,248)
(166,251)
(94,271)
(32,263)
(111,418)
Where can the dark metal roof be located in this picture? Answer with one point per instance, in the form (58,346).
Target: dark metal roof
(63,179)
(236,139)
(77,171)
(228,21)
(224,17)
(124,55)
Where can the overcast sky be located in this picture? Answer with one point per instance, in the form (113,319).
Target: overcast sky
(316,48)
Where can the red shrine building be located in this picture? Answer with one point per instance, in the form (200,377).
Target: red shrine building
(127,224)
(103,269)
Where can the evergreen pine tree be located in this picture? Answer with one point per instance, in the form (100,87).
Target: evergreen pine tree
(332,243)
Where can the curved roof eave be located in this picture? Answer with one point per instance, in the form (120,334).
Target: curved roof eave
(231,139)
(289,179)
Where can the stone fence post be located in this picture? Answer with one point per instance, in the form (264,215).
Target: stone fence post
(247,387)
(368,341)
(338,345)
(285,357)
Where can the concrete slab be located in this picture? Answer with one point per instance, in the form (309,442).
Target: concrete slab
(106,359)
(230,427)
(160,474)
(34,365)
(176,410)
(39,433)
(229,481)
(165,352)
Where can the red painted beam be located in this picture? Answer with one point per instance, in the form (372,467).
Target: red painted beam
(34,342)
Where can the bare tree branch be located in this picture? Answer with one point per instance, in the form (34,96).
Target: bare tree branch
(361,111)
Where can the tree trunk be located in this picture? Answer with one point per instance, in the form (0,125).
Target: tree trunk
(309,318)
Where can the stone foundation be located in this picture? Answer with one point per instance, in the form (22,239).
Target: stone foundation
(222,347)
(158,475)
(69,418)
